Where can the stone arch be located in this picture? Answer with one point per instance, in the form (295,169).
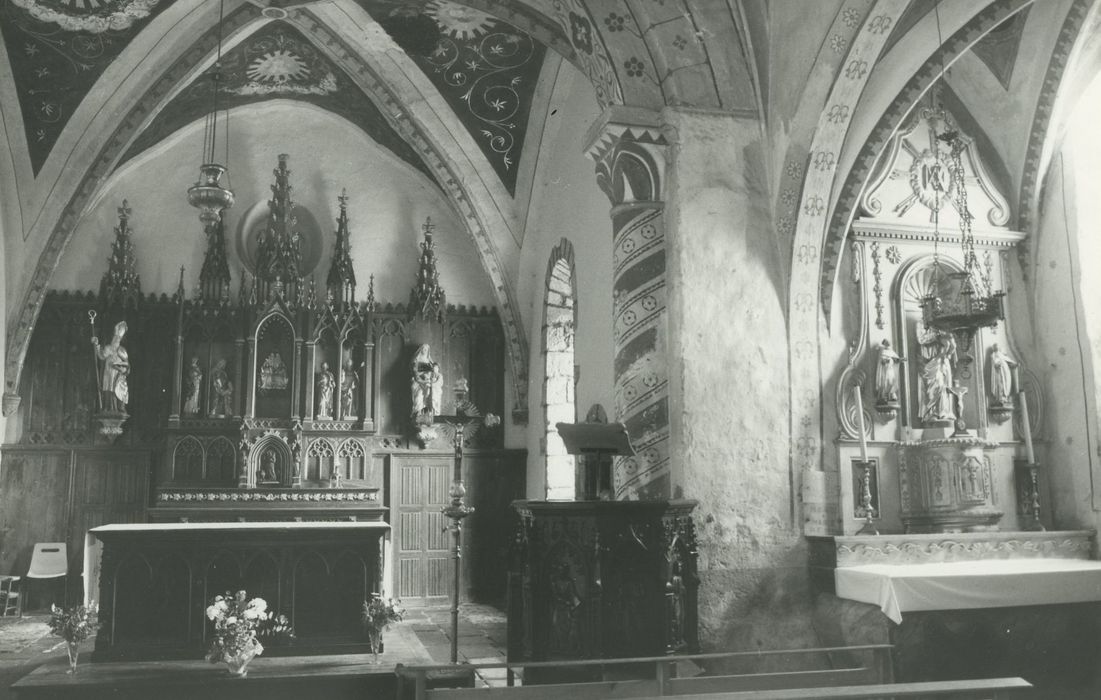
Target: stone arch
(270,462)
(818,237)
(480,218)
(221,460)
(559,378)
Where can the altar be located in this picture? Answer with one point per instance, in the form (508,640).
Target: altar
(153,582)
(965,605)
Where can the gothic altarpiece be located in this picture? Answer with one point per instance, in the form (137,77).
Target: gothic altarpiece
(272,396)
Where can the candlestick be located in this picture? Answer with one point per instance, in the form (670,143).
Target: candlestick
(1027,428)
(860,422)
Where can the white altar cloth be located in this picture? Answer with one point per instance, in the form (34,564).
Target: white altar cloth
(998,583)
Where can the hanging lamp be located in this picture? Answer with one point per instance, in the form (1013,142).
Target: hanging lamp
(971,302)
(208,195)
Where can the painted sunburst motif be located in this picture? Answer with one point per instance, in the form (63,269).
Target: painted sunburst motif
(279,66)
(459,21)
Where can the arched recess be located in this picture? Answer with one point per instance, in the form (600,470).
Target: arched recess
(559,380)
(449,162)
(831,192)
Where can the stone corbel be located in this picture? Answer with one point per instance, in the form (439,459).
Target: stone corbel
(10,403)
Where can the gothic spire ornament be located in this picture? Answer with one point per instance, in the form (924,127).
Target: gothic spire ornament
(342,278)
(214,276)
(121,285)
(278,248)
(427,298)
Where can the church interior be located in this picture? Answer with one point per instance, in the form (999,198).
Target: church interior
(670,328)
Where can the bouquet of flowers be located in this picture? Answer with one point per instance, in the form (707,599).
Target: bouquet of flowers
(238,625)
(377,615)
(74,625)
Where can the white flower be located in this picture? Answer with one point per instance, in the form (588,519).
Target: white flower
(211,612)
(259,604)
(231,620)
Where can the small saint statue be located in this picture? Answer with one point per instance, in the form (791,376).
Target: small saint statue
(326,385)
(269,472)
(348,384)
(116,368)
(194,384)
(426,385)
(886,376)
(938,349)
(221,388)
(1001,377)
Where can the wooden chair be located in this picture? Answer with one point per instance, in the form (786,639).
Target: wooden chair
(11,600)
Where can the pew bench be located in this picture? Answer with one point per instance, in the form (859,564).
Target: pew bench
(982,689)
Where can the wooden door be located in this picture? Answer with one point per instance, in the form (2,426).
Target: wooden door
(422,545)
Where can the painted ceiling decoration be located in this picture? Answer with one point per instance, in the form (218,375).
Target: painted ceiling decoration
(58,49)
(998,49)
(277,62)
(486,69)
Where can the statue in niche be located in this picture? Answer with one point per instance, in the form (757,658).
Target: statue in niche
(348,384)
(427,386)
(221,401)
(273,373)
(269,467)
(886,375)
(326,385)
(938,349)
(116,368)
(1001,377)
(194,383)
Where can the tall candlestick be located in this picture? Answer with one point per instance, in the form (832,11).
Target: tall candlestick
(860,422)
(1026,427)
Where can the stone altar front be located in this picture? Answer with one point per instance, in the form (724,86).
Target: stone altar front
(155,581)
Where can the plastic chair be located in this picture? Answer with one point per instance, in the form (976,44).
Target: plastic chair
(11,602)
(49,560)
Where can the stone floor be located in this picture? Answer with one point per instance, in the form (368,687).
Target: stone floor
(25,643)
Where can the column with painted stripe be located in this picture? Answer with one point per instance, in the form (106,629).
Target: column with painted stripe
(630,164)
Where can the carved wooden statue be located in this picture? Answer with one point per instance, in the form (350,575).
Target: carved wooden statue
(116,368)
(886,375)
(194,383)
(938,348)
(221,400)
(326,384)
(348,384)
(1001,377)
(427,386)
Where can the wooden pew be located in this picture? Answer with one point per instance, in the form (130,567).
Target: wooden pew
(984,689)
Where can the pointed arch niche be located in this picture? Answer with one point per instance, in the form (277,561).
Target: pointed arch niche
(908,223)
(559,378)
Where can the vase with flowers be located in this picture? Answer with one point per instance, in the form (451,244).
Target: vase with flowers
(377,616)
(239,624)
(74,625)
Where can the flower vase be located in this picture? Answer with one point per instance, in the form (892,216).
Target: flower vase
(374,638)
(238,665)
(74,651)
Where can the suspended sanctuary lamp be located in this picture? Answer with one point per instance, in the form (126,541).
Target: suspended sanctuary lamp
(971,302)
(208,195)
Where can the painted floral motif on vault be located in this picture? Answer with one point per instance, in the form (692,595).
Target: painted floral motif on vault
(277,62)
(58,49)
(486,69)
